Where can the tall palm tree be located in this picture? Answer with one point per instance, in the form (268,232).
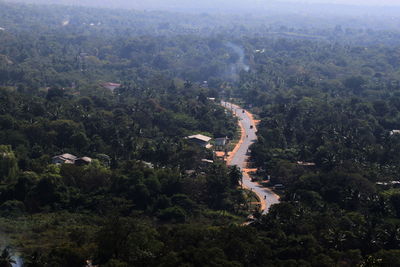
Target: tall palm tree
(6,259)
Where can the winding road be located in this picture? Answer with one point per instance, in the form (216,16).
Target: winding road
(239,156)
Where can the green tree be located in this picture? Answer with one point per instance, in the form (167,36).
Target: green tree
(8,164)
(235,175)
(6,259)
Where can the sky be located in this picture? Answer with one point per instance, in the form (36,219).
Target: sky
(352,2)
(223,5)
(243,2)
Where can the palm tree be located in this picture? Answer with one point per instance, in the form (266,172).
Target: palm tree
(6,259)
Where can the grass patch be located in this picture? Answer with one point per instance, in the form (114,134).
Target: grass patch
(252,202)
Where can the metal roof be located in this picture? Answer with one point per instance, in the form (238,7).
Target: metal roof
(200,137)
(66,156)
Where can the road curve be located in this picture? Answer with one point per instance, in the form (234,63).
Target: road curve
(239,156)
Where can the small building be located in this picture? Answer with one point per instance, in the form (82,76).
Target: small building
(306,164)
(83,161)
(111,86)
(221,154)
(395,184)
(200,139)
(104,159)
(221,142)
(71,159)
(147,164)
(64,159)
(392,132)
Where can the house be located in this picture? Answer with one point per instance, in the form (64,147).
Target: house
(104,159)
(392,132)
(207,161)
(71,159)
(306,164)
(83,161)
(111,86)
(64,159)
(200,139)
(221,142)
(147,164)
(221,154)
(395,184)
(204,84)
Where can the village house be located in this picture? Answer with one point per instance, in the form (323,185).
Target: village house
(221,155)
(147,164)
(207,161)
(221,142)
(64,159)
(306,164)
(393,183)
(83,161)
(71,159)
(201,140)
(111,86)
(204,84)
(392,132)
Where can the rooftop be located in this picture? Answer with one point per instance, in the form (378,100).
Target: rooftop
(200,137)
(221,141)
(87,159)
(388,183)
(67,156)
(111,86)
(303,163)
(219,154)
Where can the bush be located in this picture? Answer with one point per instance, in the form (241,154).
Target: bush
(174,214)
(12,208)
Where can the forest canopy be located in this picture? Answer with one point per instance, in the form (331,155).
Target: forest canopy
(117,93)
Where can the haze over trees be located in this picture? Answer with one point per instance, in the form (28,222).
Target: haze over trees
(326,91)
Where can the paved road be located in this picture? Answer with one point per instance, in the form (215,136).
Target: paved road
(240,157)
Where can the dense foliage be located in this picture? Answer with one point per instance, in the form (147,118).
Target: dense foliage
(328,100)
(329,116)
